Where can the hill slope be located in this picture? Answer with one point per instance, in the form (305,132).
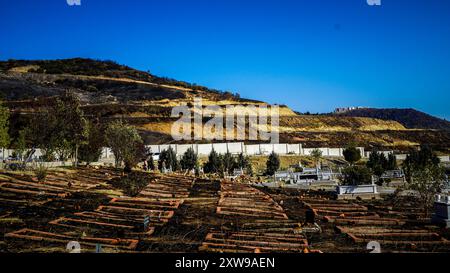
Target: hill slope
(110,91)
(410,118)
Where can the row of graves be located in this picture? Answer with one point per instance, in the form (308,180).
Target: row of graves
(324,177)
(392,226)
(253,222)
(116,225)
(22,189)
(300,175)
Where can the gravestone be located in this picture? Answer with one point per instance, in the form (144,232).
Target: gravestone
(442,210)
(146,222)
(98,248)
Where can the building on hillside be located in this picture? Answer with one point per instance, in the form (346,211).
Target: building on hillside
(341,110)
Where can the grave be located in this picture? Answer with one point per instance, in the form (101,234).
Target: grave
(442,211)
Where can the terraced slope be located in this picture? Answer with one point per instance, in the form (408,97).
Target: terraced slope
(110,91)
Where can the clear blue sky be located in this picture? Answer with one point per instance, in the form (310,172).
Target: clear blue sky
(313,55)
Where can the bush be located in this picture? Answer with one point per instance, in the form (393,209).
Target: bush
(352,155)
(131,184)
(41,172)
(356,175)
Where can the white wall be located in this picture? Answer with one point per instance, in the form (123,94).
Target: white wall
(252,149)
(280,149)
(293,149)
(266,149)
(154,148)
(335,151)
(220,148)
(181,149)
(204,149)
(236,148)
(400,157)
(444,158)
(307,151)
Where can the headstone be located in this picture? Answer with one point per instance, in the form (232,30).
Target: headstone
(146,222)
(442,210)
(98,248)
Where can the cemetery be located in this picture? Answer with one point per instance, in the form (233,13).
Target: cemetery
(105,209)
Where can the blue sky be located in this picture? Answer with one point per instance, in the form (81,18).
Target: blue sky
(312,55)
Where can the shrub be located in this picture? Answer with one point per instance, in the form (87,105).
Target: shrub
(41,172)
(316,154)
(356,175)
(131,184)
(352,155)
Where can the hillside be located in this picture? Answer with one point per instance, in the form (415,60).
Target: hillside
(410,118)
(111,91)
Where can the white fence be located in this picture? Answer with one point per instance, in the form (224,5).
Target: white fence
(249,149)
(232,147)
(220,148)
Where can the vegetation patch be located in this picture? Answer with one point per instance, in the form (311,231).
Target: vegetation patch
(131,184)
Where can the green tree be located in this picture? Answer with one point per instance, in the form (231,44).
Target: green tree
(391,162)
(168,158)
(352,155)
(272,164)
(150,162)
(4,126)
(244,163)
(418,159)
(424,175)
(20,144)
(356,175)
(427,181)
(125,143)
(214,163)
(228,163)
(91,150)
(377,163)
(70,127)
(189,161)
(60,128)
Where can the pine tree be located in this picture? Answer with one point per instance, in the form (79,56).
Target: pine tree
(243,162)
(273,164)
(168,158)
(189,160)
(228,163)
(214,164)
(151,163)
